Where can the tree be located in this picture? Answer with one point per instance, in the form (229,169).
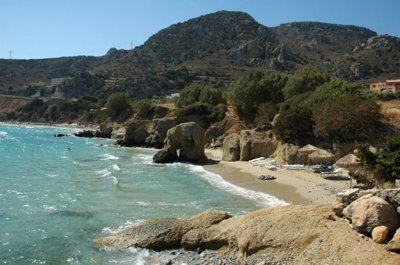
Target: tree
(304,80)
(199,94)
(333,90)
(388,159)
(255,88)
(294,125)
(347,119)
(118,104)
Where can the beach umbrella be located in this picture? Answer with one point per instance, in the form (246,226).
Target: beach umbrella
(321,156)
(348,161)
(308,149)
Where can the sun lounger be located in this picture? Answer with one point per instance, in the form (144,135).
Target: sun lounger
(336,172)
(294,167)
(256,159)
(259,162)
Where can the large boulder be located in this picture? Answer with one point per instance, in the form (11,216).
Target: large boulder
(104,132)
(159,131)
(161,233)
(254,144)
(301,234)
(250,144)
(370,211)
(286,153)
(184,142)
(136,133)
(231,148)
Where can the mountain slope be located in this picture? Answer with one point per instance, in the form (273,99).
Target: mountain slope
(220,47)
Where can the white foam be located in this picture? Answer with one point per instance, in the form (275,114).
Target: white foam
(104,172)
(217,181)
(115,180)
(116,167)
(3,134)
(109,157)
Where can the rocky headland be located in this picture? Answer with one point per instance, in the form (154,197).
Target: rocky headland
(294,234)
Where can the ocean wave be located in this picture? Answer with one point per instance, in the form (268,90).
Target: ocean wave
(108,157)
(115,167)
(104,172)
(217,181)
(110,231)
(3,134)
(115,180)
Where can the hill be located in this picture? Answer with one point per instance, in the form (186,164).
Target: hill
(216,49)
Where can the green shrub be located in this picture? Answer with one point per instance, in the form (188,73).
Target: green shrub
(294,125)
(194,109)
(254,89)
(347,119)
(265,113)
(304,80)
(118,104)
(203,94)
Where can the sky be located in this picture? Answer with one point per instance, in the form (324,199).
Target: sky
(33,29)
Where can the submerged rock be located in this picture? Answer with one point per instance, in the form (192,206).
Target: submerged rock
(70,213)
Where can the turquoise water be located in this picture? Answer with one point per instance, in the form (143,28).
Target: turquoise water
(54,202)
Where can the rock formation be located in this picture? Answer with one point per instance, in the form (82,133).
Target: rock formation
(231,148)
(370,211)
(136,133)
(184,142)
(159,130)
(299,234)
(248,144)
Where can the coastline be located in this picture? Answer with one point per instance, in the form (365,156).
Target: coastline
(52,125)
(292,186)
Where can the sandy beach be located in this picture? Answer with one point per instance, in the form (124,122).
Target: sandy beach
(292,186)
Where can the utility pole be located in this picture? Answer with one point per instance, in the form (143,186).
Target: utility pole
(10,52)
(131,45)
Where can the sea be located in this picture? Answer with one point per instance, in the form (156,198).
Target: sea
(59,194)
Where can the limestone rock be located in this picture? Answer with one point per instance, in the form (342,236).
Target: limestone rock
(343,199)
(286,153)
(301,234)
(379,234)
(104,132)
(371,211)
(188,139)
(255,144)
(136,133)
(394,243)
(163,233)
(159,131)
(231,148)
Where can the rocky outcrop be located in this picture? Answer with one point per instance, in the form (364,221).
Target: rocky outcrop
(256,144)
(286,153)
(371,211)
(299,234)
(184,142)
(159,130)
(231,148)
(136,133)
(250,144)
(161,233)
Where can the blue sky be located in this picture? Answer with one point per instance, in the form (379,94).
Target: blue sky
(54,28)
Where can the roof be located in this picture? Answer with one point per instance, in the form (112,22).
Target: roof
(349,160)
(321,154)
(393,81)
(308,149)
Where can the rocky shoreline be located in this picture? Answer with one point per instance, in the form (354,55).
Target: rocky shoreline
(294,234)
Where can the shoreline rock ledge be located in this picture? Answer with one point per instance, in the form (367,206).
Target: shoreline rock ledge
(184,142)
(294,234)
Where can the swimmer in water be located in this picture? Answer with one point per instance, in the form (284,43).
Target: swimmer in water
(69,149)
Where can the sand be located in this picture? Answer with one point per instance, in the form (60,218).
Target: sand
(292,186)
